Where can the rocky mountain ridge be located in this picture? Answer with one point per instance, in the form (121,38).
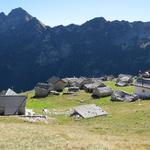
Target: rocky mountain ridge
(32,52)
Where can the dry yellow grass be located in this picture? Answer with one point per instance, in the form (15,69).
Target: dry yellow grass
(23,135)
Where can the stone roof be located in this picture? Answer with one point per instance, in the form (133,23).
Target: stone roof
(10,92)
(94,85)
(89,111)
(142,82)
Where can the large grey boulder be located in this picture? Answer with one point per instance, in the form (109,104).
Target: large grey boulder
(57,84)
(123,96)
(86,81)
(74,82)
(124,80)
(60,85)
(90,87)
(102,92)
(41,90)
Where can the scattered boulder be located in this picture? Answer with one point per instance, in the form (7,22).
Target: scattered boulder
(102,92)
(60,85)
(57,84)
(73,82)
(124,80)
(123,96)
(86,81)
(90,87)
(41,90)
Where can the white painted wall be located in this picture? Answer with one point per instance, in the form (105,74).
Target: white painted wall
(142,92)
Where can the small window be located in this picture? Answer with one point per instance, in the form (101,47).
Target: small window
(143,90)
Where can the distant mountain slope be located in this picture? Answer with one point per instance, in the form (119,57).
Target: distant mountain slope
(32,52)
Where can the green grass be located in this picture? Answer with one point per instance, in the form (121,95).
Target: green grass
(123,117)
(66,102)
(62,102)
(129,89)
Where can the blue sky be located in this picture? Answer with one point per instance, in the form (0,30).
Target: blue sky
(56,12)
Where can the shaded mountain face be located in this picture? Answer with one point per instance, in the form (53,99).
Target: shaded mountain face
(32,52)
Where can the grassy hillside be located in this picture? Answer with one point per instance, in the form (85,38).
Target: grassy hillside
(126,127)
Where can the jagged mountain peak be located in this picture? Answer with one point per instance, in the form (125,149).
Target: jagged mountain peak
(16,18)
(19,13)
